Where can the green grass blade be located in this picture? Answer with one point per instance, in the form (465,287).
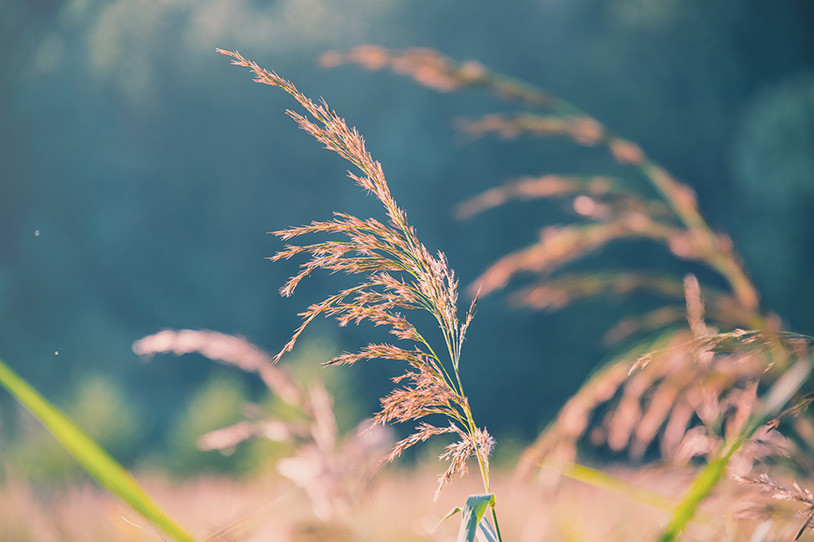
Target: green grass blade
(90,455)
(702,486)
(774,400)
(456,510)
(608,482)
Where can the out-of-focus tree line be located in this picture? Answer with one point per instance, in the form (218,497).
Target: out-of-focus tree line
(139,175)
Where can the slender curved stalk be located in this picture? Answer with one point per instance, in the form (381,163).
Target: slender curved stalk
(678,197)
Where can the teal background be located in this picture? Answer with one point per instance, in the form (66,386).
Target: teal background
(139,174)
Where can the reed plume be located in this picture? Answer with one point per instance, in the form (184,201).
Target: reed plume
(794,494)
(397,273)
(697,392)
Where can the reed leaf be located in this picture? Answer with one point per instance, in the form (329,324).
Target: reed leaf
(473,512)
(96,461)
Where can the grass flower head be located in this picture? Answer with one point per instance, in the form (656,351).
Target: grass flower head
(396,274)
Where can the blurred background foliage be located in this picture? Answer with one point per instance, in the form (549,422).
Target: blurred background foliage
(139,174)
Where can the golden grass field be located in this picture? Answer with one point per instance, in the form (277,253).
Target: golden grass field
(397,508)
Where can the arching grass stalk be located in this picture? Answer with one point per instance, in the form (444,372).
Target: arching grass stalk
(432,69)
(711,248)
(396,273)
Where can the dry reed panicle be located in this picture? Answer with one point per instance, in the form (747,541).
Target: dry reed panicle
(228,349)
(683,399)
(794,494)
(430,68)
(334,471)
(397,274)
(694,390)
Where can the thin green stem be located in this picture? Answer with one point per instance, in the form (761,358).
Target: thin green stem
(497,526)
(701,487)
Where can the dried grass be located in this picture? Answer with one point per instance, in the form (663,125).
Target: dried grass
(335,471)
(397,273)
(267,508)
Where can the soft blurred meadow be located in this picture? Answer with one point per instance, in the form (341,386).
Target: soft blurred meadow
(140,172)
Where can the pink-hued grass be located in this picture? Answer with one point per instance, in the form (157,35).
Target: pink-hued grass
(268,507)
